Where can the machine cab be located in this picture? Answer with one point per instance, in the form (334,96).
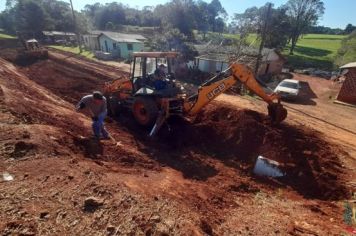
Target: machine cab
(151,71)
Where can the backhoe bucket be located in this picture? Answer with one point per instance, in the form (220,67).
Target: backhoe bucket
(277,113)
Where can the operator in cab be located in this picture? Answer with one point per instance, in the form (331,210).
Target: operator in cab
(160,82)
(96,105)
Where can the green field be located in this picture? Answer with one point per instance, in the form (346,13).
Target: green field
(6,36)
(251,38)
(75,50)
(315,50)
(312,50)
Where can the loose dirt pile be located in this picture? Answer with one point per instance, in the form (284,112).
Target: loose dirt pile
(237,137)
(196,180)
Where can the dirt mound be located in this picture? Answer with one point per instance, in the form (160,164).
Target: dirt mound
(238,137)
(9,43)
(66,82)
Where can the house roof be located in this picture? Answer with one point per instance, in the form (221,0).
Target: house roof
(32,41)
(53,33)
(223,53)
(349,65)
(119,37)
(156,54)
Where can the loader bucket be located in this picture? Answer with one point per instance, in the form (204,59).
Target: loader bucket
(277,113)
(37,54)
(29,57)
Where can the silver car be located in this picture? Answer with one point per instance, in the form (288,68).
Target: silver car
(288,89)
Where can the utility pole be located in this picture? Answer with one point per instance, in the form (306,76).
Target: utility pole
(263,38)
(76,28)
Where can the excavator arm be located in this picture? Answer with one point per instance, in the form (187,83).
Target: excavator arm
(216,86)
(208,91)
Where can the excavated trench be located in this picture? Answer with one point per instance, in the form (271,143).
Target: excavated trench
(220,132)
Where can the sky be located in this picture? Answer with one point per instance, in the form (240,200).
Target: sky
(338,13)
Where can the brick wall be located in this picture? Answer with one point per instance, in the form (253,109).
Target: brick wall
(348,90)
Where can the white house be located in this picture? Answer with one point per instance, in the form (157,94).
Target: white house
(119,44)
(215,58)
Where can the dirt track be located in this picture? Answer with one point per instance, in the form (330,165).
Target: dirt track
(195,181)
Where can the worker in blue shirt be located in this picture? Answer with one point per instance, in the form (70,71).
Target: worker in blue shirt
(160,82)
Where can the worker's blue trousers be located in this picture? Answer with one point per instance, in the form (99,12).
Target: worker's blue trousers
(98,127)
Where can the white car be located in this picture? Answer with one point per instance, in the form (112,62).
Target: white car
(288,89)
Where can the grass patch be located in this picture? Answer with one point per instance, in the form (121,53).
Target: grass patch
(6,36)
(312,50)
(75,50)
(251,38)
(315,50)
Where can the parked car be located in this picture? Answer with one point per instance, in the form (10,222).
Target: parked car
(288,89)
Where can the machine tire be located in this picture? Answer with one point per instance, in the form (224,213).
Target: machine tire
(113,106)
(145,111)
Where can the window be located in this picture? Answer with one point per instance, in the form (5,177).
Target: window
(114,45)
(129,46)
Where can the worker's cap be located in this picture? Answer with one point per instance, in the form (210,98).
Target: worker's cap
(98,95)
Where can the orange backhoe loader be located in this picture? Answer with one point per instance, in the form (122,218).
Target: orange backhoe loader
(151,106)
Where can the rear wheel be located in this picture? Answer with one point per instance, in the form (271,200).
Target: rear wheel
(145,111)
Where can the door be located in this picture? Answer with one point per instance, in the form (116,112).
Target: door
(106,46)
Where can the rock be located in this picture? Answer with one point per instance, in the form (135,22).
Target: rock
(156,218)
(74,223)
(26,135)
(162,230)
(307,152)
(110,230)
(205,226)
(44,215)
(92,203)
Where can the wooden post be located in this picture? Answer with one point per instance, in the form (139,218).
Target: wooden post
(263,38)
(76,28)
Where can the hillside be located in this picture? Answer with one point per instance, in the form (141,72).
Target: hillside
(196,180)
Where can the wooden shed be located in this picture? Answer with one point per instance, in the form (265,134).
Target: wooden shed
(214,58)
(347,92)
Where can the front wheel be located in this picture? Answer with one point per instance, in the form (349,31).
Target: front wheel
(113,106)
(145,111)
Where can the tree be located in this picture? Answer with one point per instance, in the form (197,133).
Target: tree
(109,26)
(30,16)
(349,28)
(253,21)
(347,51)
(219,25)
(216,14)
(38,15)
(324,30)
(171,39)
(302,14)
(201,17)
(178,14)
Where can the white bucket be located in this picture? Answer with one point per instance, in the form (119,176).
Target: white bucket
(267,167)
(7,177)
